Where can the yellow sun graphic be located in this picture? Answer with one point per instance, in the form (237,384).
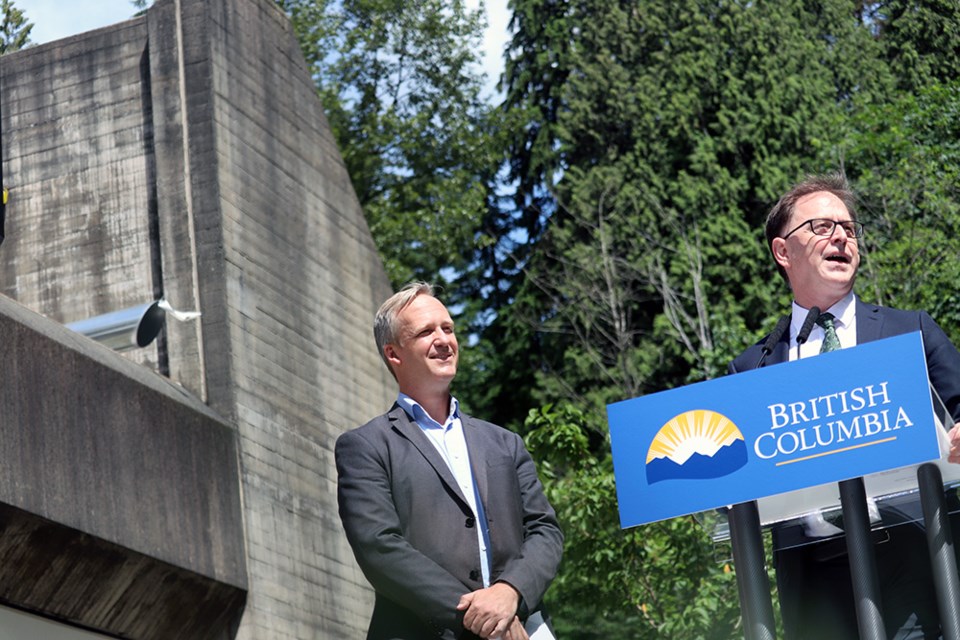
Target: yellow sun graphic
(698,431)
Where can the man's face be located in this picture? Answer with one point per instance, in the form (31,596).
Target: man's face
(821,269)
(425,355)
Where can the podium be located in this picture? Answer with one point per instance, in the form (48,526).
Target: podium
(797,448)
(924,502)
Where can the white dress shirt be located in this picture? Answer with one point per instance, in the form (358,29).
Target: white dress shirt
(845,322)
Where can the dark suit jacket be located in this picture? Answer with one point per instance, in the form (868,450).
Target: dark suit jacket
(413,532)
(816,600)
(875,322)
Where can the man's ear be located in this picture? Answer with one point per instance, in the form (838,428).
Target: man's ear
(391,353)
(779,248)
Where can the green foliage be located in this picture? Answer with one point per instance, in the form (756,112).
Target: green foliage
(904,158)
(654,137)
(401,87)
(664,580)
(141,6)
(15,28)
(667,130)
(919,39)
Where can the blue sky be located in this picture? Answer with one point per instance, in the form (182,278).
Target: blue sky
(55,19)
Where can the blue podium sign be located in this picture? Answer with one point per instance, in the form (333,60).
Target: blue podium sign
(759,433)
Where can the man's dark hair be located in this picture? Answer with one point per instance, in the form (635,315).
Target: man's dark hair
(781,212)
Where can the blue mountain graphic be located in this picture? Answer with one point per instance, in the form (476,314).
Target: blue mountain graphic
(727,460)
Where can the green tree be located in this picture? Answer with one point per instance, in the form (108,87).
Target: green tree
(401,87)
(653,138)
(666,580)
(919,38)
(141,6)
(904,160)
(676,125)
(15,29)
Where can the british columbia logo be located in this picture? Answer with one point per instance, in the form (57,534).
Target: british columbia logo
(696,444)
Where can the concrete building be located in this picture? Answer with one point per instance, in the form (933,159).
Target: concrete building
(187,489)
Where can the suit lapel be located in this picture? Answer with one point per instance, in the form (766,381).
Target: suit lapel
(407,428)
(781,350)
(869,322)
(477,450)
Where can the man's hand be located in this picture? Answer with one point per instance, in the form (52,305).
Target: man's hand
(491,612)
(954,437)
(515,631)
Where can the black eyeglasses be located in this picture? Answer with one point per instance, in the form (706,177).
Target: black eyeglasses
(826,227)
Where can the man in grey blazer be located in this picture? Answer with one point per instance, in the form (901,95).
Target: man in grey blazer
(813,235)
(444,512)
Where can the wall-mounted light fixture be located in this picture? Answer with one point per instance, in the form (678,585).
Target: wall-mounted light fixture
(132,327)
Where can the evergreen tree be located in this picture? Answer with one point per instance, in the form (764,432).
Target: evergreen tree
(676,126)
(661,132)
(15,29)
(904,161)
(919,38)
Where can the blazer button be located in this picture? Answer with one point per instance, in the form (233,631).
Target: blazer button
(469,523)
(475,575)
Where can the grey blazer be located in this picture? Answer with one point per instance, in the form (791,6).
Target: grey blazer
(414,535)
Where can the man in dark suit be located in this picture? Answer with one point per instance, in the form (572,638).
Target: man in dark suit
(444,512)
(813,234)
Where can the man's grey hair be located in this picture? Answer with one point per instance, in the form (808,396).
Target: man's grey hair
(385,324)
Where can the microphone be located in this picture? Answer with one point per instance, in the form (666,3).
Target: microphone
(807,325)
(774,337)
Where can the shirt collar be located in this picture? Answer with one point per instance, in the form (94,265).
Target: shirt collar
(421,417)
(843,310)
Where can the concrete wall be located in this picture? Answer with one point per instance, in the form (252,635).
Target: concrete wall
(236,203)
(77,137)
(119,503)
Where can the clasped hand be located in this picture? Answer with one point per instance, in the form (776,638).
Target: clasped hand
(492,612)
(954,437)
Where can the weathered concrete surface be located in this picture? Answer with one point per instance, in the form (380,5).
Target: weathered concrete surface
(256,200)
(119,493)
(76,139)
(185,154)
